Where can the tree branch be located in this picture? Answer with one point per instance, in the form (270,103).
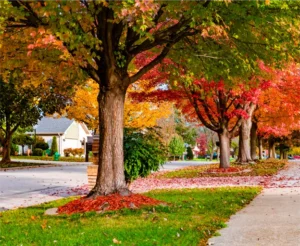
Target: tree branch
(151,64)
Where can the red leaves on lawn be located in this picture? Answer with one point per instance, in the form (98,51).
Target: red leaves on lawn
(224,170)
(107,203)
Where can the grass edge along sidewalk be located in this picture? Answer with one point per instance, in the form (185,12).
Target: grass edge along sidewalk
(260,168)
(193,216)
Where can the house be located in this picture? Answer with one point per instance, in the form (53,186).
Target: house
(69,133)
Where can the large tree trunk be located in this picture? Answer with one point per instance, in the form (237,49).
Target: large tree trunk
(244,137)
(253,140)
(111,178)
(224,138)
(6,149)
(244,155)
(260,148)
(272,153)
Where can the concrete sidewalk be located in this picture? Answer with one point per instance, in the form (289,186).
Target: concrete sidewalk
(272,218)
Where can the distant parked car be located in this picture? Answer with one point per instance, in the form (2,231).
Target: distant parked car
(290,157)
(296,157)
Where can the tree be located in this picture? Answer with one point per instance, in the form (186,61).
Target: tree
(84,108)
(278,114)
(54,148)
(185,129)
(18,108)
(190,154)
(176,146)
(22,139)
(104,37)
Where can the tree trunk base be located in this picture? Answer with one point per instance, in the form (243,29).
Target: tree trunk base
(243,162)
(5,161)
(122,192)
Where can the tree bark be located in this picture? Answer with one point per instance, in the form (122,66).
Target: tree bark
(244,140)
(6,149)
(111,178)
(244,155)
(260,148)
(224,138)
(272,153)
(253,140)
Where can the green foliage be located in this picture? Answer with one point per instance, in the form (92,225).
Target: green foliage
(190,154)
(37,152)
(191,217)
(176,146)
(41,145)
(14,148)
(54,147)
(143,153)
(22,139)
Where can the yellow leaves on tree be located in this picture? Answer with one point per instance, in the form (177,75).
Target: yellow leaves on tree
(84,108)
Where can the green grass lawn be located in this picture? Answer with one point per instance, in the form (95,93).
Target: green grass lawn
(261,168)
(20,164)
(192,217)
(50,158)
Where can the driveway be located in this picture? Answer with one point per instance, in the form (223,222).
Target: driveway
(25,187)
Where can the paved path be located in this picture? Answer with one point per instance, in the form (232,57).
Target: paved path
(25,187)
(271,219)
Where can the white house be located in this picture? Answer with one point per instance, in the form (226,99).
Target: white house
(69,133)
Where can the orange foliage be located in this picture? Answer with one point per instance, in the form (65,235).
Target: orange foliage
(84,108)
(279,106)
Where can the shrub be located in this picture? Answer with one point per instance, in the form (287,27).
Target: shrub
(54,148)
(74,152)
(143,153)
(37,152)
(67,152)
(190,154)
(42,145)
(78,151)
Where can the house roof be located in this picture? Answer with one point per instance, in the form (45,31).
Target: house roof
(48,125)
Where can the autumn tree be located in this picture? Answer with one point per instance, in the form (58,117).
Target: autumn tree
(26,92)
(104,37)
(176,146)
(84,107)
(21,138)
(18,108)
(278,115)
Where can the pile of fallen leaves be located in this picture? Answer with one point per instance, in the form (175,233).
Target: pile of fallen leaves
(224,170)
(107,203)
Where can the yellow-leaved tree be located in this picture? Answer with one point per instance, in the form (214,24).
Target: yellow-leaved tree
(84,107)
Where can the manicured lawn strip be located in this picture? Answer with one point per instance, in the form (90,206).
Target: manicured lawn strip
(261,168)
(19,164)
(49,158)
(193,216)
